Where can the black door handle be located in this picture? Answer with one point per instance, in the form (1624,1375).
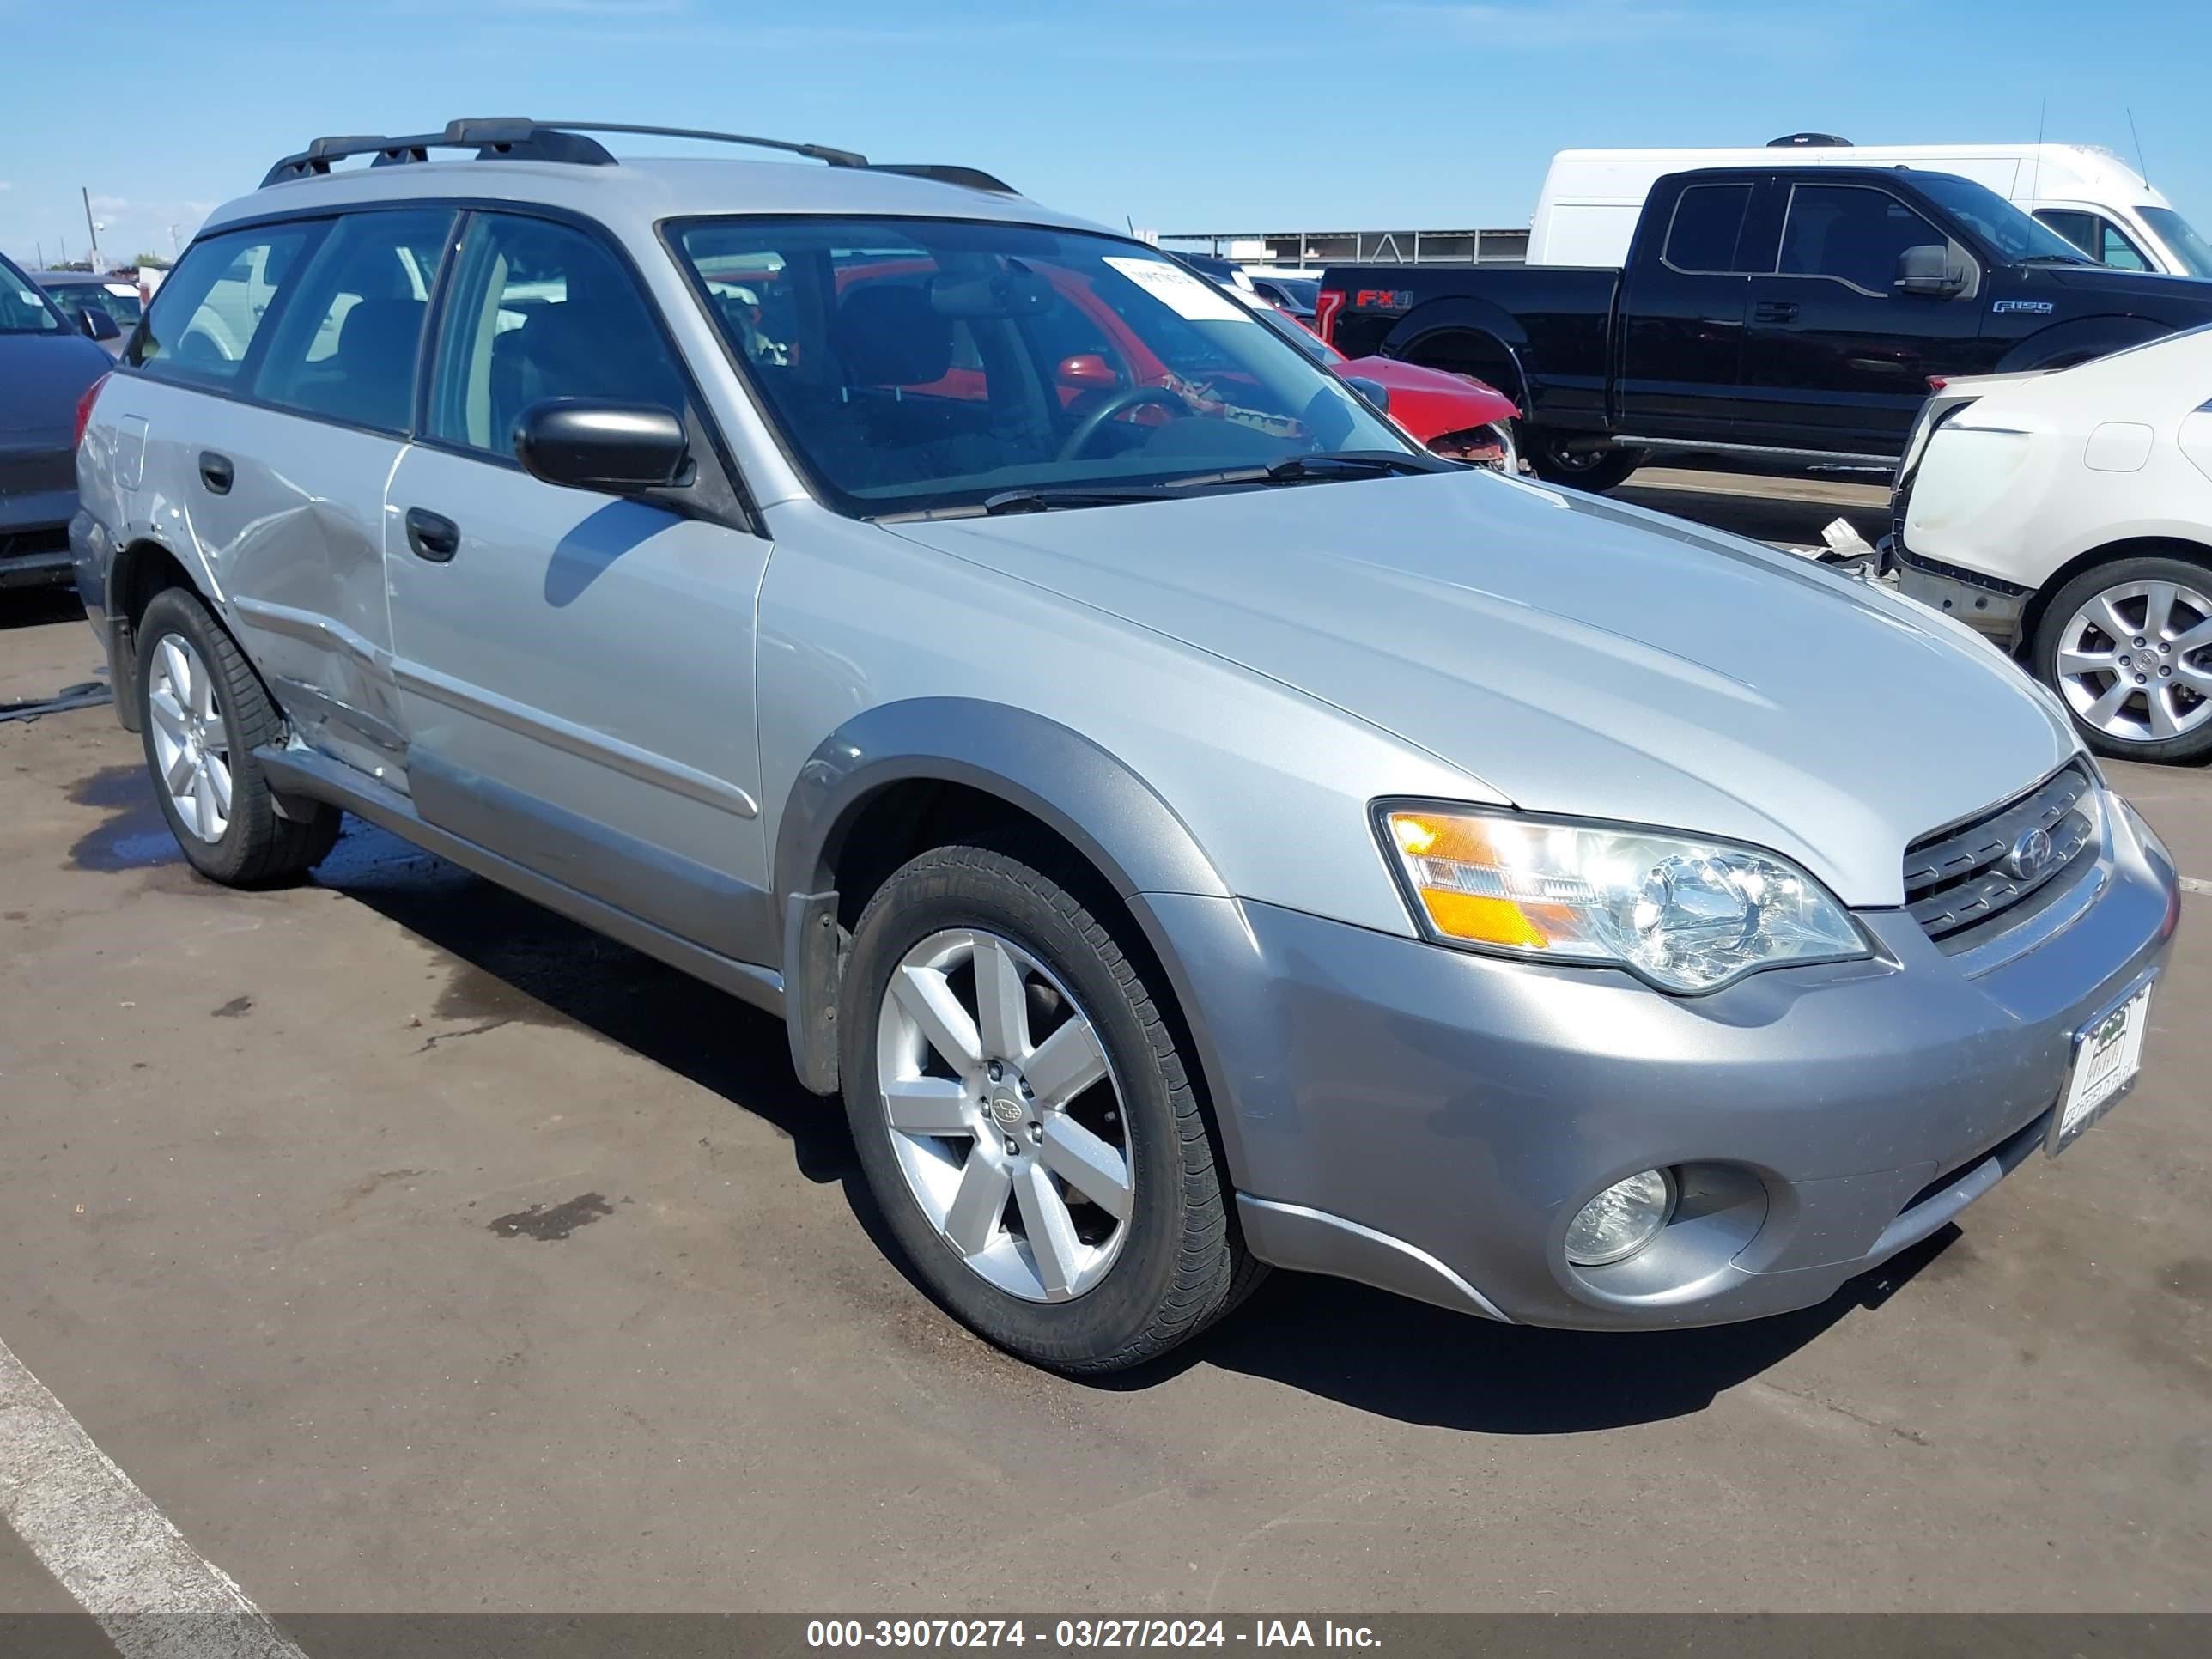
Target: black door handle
(432,537)
(216,472)
(1775,311)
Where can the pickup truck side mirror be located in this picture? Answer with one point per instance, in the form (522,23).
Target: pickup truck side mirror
(1928,270)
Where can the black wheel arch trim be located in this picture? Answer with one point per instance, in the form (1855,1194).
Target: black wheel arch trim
(1084,793)
(1465,314)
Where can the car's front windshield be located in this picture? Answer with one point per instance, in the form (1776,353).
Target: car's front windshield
(919,364)
(23,309)
(2183,240)
(2017,238)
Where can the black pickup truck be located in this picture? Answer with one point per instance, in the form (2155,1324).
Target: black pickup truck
(1793,315)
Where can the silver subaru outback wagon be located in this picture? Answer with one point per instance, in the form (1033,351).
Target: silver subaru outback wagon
(1194,829)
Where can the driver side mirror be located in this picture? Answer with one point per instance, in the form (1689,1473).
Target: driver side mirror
(1086,371)
(1374,391)
(99,325)
(618,449)
(1928,270)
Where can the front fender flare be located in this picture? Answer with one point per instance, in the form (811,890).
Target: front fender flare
(1089,796)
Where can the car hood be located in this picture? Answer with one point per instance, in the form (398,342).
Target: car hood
(1573,656)
(1481,402)
(2152,291)
(41,378)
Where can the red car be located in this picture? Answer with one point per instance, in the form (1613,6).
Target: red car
(1452,415)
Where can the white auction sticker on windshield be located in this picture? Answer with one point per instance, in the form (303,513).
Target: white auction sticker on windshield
(1180,291)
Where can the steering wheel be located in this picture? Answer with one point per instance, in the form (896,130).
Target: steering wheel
(1121,403)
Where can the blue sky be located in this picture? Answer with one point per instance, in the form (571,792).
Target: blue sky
(1256,114)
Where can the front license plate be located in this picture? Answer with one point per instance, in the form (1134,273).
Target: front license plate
(2107,1058)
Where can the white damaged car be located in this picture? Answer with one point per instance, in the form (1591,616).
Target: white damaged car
(2069,517)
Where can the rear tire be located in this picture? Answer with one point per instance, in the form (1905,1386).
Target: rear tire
(202,712)
(1596,470)
(2146,702)
(1108,1291)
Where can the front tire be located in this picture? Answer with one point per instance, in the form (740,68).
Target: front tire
(1594,470)
(2128,647)
(204,711)
(1024,1117)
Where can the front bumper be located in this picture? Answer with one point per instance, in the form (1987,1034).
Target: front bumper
(1430,1120)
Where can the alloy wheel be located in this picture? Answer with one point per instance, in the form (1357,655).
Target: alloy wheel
(2135,662)
(1006,1115)
(192,745)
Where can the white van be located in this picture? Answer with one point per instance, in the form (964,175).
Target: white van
(1587,209)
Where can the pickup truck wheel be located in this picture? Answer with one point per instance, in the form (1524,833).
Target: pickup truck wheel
(1023,1117)
(2128,647)
(202,712)
(1595,470)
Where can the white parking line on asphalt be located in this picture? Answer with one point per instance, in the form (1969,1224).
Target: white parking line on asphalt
(2196,885)
(118,1555)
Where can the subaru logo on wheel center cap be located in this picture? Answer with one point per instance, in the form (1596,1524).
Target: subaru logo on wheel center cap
(2030,856)
(1007,1109)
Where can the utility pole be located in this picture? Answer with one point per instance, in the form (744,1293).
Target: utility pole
(173,243)
(42,255)
(90,228)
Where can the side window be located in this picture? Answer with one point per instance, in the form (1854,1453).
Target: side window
(1071,329)
(2096,236)
(1851,232)
(2076,227)
(1701,238)
(204,317)
(347,345)
(540,310)
(2115,249)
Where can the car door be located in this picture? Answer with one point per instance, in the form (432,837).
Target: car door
(1835,358)
(275,378)
(1682,341)
(576,669)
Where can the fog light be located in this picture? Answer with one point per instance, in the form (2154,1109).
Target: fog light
(1621,1220)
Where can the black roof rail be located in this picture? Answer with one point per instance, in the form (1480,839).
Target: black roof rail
(521,138)
(835,158)
(947,174)
(499,136)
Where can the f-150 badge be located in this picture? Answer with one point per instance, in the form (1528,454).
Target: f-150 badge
(2040,307)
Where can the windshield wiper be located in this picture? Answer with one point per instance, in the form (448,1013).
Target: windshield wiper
(2057,259)
(1323,464)
(1032,500)
(1045,501)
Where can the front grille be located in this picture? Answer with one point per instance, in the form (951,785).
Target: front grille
(1965,883)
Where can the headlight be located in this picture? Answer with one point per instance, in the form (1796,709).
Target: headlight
(1685,914)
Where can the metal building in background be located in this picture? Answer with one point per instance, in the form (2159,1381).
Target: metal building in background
(1292,250)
